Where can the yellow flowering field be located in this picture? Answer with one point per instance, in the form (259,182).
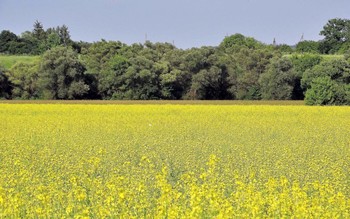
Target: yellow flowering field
(174,161)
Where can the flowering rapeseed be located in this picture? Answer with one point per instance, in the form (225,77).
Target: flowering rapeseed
(193,161)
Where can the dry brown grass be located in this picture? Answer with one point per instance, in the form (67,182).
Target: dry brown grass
(158,102)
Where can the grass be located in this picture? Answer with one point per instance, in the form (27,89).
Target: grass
(326,57)
(8,61)
(159,102)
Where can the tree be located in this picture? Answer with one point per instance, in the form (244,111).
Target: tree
(6,38)
(24,77)
(5,86)
(328,83)
(244,71)
(211,84)
(80,46)
(278,82)
(140,81)
(100,59)
(110,81)
(239,40)
(64,35)
(284,48)
(337,69)
(38,31)
(175,79)
(31,44)
(301,63)
(174,84)
(53,40)
(304,62)
(347,56)
(97,56)
(308,47)
(345,48)
(197,59)
(62,75)
(325,91)
(336,32)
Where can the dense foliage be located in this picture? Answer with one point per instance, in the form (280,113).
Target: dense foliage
(239,68)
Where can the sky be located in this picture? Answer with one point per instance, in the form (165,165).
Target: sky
(186,23)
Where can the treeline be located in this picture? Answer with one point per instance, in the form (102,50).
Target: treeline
(37,41)
(239,68)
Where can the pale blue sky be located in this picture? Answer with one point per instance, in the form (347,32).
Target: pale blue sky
(189,23)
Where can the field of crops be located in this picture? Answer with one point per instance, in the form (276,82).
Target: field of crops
(174,161)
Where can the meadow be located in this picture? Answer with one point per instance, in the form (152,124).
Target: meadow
(8,61)
(324,56)
(174,161)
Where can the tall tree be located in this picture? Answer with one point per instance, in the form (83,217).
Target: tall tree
(336,32)
(64,35)
(38,31)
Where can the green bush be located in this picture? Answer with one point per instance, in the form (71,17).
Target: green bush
(325,91)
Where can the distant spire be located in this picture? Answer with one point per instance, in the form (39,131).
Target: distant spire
(302,37)
(274,42)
